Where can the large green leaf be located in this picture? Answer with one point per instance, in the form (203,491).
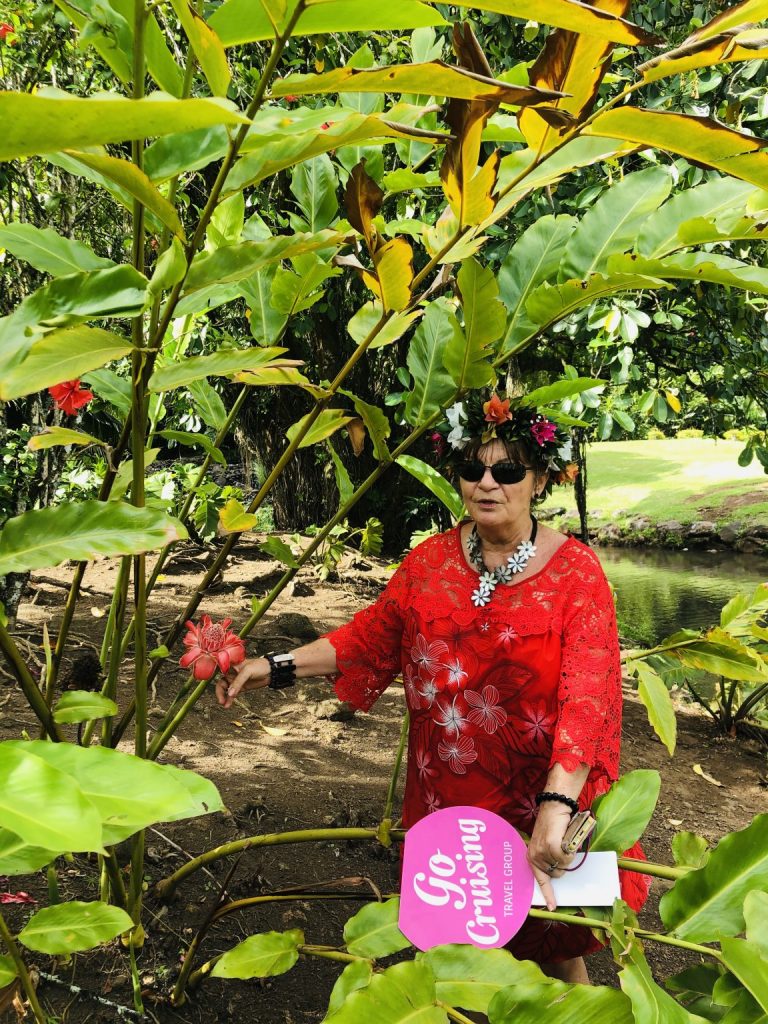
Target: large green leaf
(659,234)
(548,394)
(110,387)
(743,609)
(128,792)
(624,811)
(82,706)
(218,364)
(355,976)
(708,903)
(36,123)
(533,259)
(434,482)
(195,441)
(432,384)
(206,46)
(403,994)
(135,183)
(51,437)
(373,931)
(570,14)
(261,956)
(20,858)
(756,918)
(658,703)
(695,266)
(724,655)
(314,183)
(470,977)
(59,356)
(467,355)
(243,21)
(81,531)
(734,16)
(650,1003)
(750,965)
(327,423)
(42,806)
(557,1002)
(369,315)
(730,47)
(376,423)
(70,927)
(701,140)
(234,262)
(7,971)
(208,403)
(48,251)
(184,151)
(612,223)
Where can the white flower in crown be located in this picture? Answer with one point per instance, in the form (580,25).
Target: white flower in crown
(565,453)
(456,415)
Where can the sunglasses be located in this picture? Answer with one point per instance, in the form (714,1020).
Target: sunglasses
(502,472)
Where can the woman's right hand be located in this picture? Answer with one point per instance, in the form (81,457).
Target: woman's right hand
(251,674)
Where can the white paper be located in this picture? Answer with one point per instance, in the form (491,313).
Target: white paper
(594,884)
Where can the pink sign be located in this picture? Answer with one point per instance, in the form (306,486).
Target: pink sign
(465,879)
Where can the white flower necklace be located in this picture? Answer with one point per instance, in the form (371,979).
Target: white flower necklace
(490,578)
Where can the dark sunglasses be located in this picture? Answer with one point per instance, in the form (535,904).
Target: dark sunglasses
(502,472)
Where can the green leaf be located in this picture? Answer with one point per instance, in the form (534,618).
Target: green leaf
(238,21)
(756,918)
(20,858)
(659,234)
(227,222)
(128,792)
(343,483)
(743,608)
(314,184)
(124,476)
(373,931)
(327,423)
(612,223)
(701,140)
(690,850)
(82,706)
(36,123)
(695,266)
(433,386)
(376,423)
(727,658)
(403,994)
(470,977)
(81,531)
(658,703)
(53,436)
(747,962)
(218,364)
(467,354)
(533,259)
(136,183)
(40,804)
(195,441)
(566,14)
(434,482)
(73,926)
(708,903)
(369,315)
(62,355)
(278,549)
(355,976)
(47,251)
(233,517)
(169,269)
(559,390)
(557,1002)
(208,403)
(266,322)
(734,16)
(232,263)
(624,811)
(8,971)
(650,1004)
(206,46)
(261,956)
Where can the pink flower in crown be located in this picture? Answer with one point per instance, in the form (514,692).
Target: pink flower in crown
(458,753)
(486,710)
(543,430)
(212,645)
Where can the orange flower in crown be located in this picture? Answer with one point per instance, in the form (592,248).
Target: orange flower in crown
(568,474)
(497,411)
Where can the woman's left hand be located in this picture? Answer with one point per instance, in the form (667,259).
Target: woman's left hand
(544,849)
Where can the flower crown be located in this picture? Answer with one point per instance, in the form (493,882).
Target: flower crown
(507,419)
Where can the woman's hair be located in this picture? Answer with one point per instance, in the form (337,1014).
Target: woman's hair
(517,451)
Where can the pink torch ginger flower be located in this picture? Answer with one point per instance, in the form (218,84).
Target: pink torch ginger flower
(212,645)
(543,430)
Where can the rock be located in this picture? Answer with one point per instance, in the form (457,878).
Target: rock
(752,545)
(610,534)
(729,533)
(551,512)
(671,526)
(639,523)
(333,711)
(619,513)
(702,528)
(292,624)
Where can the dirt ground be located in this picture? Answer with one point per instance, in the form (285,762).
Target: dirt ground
(282,763)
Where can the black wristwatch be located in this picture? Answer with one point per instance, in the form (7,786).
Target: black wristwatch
(282,670)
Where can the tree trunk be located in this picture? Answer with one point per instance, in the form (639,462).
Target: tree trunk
(580,453)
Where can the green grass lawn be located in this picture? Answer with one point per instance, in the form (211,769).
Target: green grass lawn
(686,480)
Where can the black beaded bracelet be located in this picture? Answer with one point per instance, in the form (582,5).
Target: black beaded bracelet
(282,671)
(559,798)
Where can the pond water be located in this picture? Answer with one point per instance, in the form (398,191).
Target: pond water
(660,591)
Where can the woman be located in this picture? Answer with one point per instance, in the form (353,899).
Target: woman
(505,634)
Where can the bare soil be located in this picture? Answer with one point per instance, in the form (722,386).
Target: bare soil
(281,763)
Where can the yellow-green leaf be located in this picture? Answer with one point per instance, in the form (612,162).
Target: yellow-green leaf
(696,52)
(234,519)
(394,274)
(658,703)
(207,46)
(327,423)
(748,13)
(52,436)
(217,364)
(369,315)
(701,140)
(35,123)
(570,14)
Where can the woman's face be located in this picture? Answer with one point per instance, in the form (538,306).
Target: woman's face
(497,505)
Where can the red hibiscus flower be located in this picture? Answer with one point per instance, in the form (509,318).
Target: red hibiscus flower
(543,430)
(6,30)
(16,897)
(497,411)
(290,98)
(69,396)
(211,645)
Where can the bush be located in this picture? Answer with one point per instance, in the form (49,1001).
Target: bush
(690,432)
(736,434)
(654,434)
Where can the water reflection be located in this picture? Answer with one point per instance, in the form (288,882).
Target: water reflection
(659,591)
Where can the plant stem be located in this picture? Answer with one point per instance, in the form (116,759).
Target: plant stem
(112,869)
(53,885)
(28,685)
(454,1014)
(331,954)
(396,770)
(21,971)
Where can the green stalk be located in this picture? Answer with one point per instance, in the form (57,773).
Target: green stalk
(28,685)
(387,817)
(453,1013)
(112,871)
(52,878)
(21,971)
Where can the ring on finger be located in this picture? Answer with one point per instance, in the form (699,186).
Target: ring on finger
(552,868)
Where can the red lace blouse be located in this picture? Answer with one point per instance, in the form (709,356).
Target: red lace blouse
(497,694)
